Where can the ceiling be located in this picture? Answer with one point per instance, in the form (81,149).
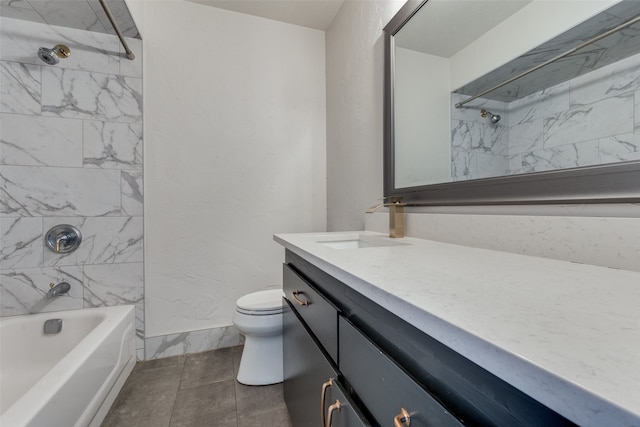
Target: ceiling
(316,14)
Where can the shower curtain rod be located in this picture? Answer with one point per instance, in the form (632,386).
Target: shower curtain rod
(128,52)
(554,59)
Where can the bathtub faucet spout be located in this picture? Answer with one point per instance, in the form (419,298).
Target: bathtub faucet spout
(59,289)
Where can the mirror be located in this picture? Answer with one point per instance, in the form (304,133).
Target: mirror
(483,106)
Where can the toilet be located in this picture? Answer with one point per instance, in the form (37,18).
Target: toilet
(258,316)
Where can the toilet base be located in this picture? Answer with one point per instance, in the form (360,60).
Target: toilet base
(261,362)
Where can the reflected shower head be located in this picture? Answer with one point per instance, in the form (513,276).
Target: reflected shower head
(51,56)
(495,118)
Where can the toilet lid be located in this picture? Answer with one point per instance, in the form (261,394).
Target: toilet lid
(263,301)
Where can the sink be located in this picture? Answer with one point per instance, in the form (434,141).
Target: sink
(358,242)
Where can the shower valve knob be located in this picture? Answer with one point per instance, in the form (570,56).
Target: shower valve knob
(63,238)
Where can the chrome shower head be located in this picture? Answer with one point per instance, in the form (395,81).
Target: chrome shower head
(495,118)
(51,56)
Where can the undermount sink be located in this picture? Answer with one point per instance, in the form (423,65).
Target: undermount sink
(358,242)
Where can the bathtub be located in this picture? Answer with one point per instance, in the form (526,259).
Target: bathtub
(65,379)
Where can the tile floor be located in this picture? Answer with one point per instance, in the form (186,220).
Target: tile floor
(196,390)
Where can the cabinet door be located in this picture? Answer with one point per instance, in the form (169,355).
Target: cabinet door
(340,409)
(384,387)
(318,313)
(306,369)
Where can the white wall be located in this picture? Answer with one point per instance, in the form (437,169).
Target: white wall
(355,55)
(421,98)
(235,132)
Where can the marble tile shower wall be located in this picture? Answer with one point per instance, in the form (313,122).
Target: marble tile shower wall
(592,119)
(70,153)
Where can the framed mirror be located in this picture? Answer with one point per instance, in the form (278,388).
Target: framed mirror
(483,105)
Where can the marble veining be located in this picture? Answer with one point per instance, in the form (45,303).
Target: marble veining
(611,116)
(33,191)
(109,284)
(105,240)
(84,15)
(20,88)
(564,333)
(40,141)
(561,156)
(191,342)
(89,51)
(600,54)
(19,9)
(24,291)
(112,145)
(96,96)
(619,148)
(590,120)
(131,68)
(132,193)
(72,148)
(21,245)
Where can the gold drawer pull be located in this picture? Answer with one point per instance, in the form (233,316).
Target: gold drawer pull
(295,294)
(403,418)
(325,386)
(335,406)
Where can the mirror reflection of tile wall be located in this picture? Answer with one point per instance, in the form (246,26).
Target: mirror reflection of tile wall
(585,121)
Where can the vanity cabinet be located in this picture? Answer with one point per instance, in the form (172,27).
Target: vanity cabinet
(311,389)
(317,312)
(379,365)
(306,369)
(383,386)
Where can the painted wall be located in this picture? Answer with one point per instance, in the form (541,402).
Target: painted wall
(71,152)
(235,131)
(355,78)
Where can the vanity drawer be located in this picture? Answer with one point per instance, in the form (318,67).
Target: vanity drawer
(339,409)
(383,386)
(320,315)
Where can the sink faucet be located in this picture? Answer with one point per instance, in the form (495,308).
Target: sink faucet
(59,289)
(396,217)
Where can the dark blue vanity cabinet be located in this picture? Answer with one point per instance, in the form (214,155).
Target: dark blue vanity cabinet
(310,355)
(365,366)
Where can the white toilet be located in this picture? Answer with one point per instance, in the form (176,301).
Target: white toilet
(258,316)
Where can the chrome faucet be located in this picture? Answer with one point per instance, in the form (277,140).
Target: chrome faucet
(59,289)
(396,217)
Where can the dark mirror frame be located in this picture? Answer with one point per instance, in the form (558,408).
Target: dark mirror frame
(610,183)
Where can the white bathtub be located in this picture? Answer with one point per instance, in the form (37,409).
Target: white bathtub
(67,379)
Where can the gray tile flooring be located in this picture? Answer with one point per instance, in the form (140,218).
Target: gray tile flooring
(193,391)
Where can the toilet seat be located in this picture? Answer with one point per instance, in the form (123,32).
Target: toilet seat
(261,303)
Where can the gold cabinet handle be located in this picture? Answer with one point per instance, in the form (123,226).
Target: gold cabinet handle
(335,406)
(325,386)
(402,419)
(295,294)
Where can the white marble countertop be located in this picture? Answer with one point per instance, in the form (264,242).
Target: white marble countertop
(566,334)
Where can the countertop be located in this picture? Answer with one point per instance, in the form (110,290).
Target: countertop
(566,334)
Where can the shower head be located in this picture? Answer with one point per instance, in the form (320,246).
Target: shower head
(51,56)
(495,118)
